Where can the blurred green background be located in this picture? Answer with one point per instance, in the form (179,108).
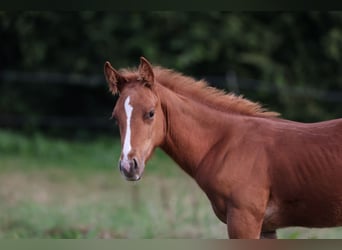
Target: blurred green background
(59,149)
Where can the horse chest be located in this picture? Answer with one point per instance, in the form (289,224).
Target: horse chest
(219,207)
(216,198)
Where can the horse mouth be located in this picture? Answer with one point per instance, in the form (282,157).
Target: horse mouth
(129,177)
(134,178)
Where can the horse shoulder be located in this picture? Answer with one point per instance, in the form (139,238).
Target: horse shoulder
(235,175)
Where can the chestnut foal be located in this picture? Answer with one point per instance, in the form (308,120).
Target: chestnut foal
(260,172)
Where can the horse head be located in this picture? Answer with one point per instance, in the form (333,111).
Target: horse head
(139,115)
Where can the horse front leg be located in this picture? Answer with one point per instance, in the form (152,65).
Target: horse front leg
(245,214)
(243,224)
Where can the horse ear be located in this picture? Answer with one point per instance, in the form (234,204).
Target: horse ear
(113,78)
(146,72)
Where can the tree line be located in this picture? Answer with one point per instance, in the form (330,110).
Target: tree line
(278,50)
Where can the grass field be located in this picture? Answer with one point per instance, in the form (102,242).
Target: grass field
(53,188)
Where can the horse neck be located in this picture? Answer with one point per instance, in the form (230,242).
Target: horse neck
(192,129)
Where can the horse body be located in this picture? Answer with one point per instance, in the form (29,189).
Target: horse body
(299,167)
(306,174)
(259,172)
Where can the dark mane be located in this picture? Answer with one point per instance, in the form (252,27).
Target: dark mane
(202,92)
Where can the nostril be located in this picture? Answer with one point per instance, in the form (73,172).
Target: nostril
(135,164)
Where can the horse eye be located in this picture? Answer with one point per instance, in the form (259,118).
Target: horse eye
(150,114)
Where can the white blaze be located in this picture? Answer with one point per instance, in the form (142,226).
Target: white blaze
(127,143)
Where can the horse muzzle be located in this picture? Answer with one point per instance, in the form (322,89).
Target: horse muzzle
(130,169)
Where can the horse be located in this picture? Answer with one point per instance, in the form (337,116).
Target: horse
(260,172)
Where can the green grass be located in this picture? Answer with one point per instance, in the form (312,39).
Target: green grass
(53,188)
